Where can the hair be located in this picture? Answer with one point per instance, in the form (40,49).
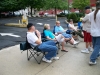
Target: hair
(97,9)
(95,13)
(46,26)
(30,25)
(57,21)
(70,20)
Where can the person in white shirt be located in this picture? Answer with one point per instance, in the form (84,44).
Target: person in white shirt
(95,32)
(86,31)
(34,39)
(74,29)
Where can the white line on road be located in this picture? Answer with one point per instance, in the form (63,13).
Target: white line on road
(9,34)
(40,23)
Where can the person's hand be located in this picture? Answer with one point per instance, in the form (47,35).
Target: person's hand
(38,33)
(54,39)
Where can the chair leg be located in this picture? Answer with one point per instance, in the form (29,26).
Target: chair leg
(33,55)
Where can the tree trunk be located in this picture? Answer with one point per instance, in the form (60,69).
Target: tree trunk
(13,13)
(0,14)
(55,11)
(31,11)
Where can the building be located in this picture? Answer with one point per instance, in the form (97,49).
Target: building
(92,3)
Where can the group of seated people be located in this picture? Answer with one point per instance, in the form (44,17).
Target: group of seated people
(60,35)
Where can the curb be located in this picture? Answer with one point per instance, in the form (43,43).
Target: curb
(16,25)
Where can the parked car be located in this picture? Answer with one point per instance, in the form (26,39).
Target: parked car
(46,14)
(6,14)
(17,13)
(64,12)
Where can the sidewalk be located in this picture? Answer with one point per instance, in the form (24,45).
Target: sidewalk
(13,62)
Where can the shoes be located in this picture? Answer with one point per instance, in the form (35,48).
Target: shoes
(92,63)
(46,60)
(85,51)
(76,43)
(90,49)
(55,58)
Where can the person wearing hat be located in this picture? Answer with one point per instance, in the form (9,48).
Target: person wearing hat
(86,31)
(95,32)
(34,38)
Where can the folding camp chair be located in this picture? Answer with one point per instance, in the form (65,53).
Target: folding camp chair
(34,51)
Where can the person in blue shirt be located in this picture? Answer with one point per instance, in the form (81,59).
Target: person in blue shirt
(60,30)
(50,36)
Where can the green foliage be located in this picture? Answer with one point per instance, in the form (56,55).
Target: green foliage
(11,5)
(80,4)
(14,5)
(59,4)
(73,16)
(80,14)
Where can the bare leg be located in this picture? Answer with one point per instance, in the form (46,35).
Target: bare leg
(87,45)
(90,43)
(71,41)
(63,45)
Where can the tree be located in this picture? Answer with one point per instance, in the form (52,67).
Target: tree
(11,5)
(80,4)
(55,4)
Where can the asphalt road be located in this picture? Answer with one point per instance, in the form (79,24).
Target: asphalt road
(7,40)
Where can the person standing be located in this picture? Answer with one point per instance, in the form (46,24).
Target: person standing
(86,31)
(95,32)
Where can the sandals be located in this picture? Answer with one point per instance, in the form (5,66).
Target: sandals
(64,50)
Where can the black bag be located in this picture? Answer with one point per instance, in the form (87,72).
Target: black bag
(25,45)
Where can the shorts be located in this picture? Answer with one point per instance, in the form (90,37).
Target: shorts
(87,37)
(67,35)
(59,38)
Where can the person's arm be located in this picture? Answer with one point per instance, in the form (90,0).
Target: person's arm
(39,37)
(86,18)
(72,27)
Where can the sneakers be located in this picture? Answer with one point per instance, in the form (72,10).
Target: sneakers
(85,51)
(46,60)
(92,63)
(90,49)
(76,43)
(55,58)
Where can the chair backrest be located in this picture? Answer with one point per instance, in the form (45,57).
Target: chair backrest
(54,30)
(43,35)
(25,45)
(67,26)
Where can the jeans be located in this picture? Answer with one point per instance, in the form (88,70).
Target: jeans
(50,47)
(96,47)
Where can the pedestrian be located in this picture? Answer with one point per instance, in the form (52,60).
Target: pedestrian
(86,31)
(95,32)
